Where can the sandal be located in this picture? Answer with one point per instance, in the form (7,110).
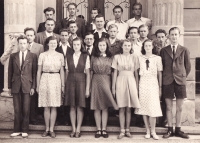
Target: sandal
(98,134)
(45,134)
(77,134)
(104,133)
(121,135)
(52,134)
(72,134)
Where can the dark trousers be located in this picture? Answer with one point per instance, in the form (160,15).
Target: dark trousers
(21,103)
(33,107)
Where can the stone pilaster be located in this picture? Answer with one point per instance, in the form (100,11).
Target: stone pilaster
(18,14)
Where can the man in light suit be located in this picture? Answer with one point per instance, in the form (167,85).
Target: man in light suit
(72,8)
(42,36)
(176,67)
(22,82)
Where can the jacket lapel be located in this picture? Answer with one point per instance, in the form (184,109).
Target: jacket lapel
(33,48)
(169,51)
(26,59)
(17,60)
(178,51)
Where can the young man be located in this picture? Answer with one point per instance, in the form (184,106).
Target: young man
(49,12)
(91,26)
(89,41)
(22,82)
(42,36)
(143,33)
(176,67)
(138,19)
(122,26)
(73,28)
(72,8)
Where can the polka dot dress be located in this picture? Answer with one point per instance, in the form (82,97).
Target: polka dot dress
(148,86)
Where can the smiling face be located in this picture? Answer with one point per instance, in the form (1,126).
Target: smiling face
(174,36)
(102,46)
(77,46)
(99,22)
(148,46)
(23,44)
(126,47)
(113,32)
(52,44)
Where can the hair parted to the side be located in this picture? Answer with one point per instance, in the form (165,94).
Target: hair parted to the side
(123,41)
(48,40)
(174,28)
(22,37)
(29,29)
(97,52)
(154,51)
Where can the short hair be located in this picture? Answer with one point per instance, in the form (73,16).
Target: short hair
(123,41)
(99,16)
(50,19)
(130,28)
(112,26)
(72,4)
(174,28)
(117,6)
(143,25)
(160,31)
(98,10)
(21,37)
(83,50)
(137,3)
(81,16)
(97,52)
(49,9)
(88,33)
(64,30)
(72,22)
(48,40)
(29,29)
(143,50)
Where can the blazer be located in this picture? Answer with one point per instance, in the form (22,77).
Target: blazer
(80,23)
(42,28)
(175,69)
(24,78)
(41,38)
(69,50)
(115,48)
(96,36)
(37,49)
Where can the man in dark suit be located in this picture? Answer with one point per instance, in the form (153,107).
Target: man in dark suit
(22,82)
(49,12)
(72,8)
(91,26)
(176,67)
(42,36)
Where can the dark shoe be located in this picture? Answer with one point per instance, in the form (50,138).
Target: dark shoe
(98,134)
(168,134)
(72,134)
(52,134)
(77,135)
(181,134)
(104,133)
(46,133)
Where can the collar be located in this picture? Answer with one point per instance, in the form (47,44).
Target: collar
(64,45)
(175,46)
(89,47)
(98,31)
(77,55)
(48,34)
(74,36)
(119,21)
(71,18)
(25,52)
(141,19)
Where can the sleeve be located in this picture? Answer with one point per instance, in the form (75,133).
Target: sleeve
(136,63)
(62,60)
(10,71)
(114,62)
(87,65)
(39,28)
(187,62)
(40,60)
(159,64)
(34,71)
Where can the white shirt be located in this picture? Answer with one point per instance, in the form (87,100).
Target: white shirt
(20,57)
(93,26)
(100,32)
(122,28)
(90,50)
(136,23)
(175,47)
(137,48)
(49,34)
(69,19)
(64,47)
(76,58)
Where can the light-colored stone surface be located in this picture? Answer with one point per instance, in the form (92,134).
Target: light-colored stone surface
(6,109)
(191,76)
(188,113)
(197,108)
(190,89)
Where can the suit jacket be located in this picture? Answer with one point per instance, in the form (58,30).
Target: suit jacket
(60,50)
(80,23)
(37,49)
(42,28)
(177,69)
(96,36)
(41,38)
(24,78)
(115,48)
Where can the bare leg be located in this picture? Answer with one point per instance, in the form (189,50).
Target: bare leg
(169,104)
(97,116)
(53,118)
(146,122)
(122,118)
(128,117)
(179,106)
(73,118)
(152,121)
(80,114)
(104,118)
(47,117)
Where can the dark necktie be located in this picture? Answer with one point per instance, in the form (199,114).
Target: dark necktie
(22,60)
(174,52)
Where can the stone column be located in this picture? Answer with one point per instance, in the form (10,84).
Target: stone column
(18,14)
(167,14)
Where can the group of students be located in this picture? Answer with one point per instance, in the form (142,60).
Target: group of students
(123,74)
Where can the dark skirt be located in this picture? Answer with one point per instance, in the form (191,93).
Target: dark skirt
(75,90)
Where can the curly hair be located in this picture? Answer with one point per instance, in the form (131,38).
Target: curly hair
(97,52)
(154,51)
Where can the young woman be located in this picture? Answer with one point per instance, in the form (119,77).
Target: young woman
(101,95)
(77,84)
(50,83)
(150,87)
(125,83)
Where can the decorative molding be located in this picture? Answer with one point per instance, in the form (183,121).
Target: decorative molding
(84,3)
(127,4)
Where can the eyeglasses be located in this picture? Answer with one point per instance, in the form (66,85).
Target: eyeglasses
(89,39)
